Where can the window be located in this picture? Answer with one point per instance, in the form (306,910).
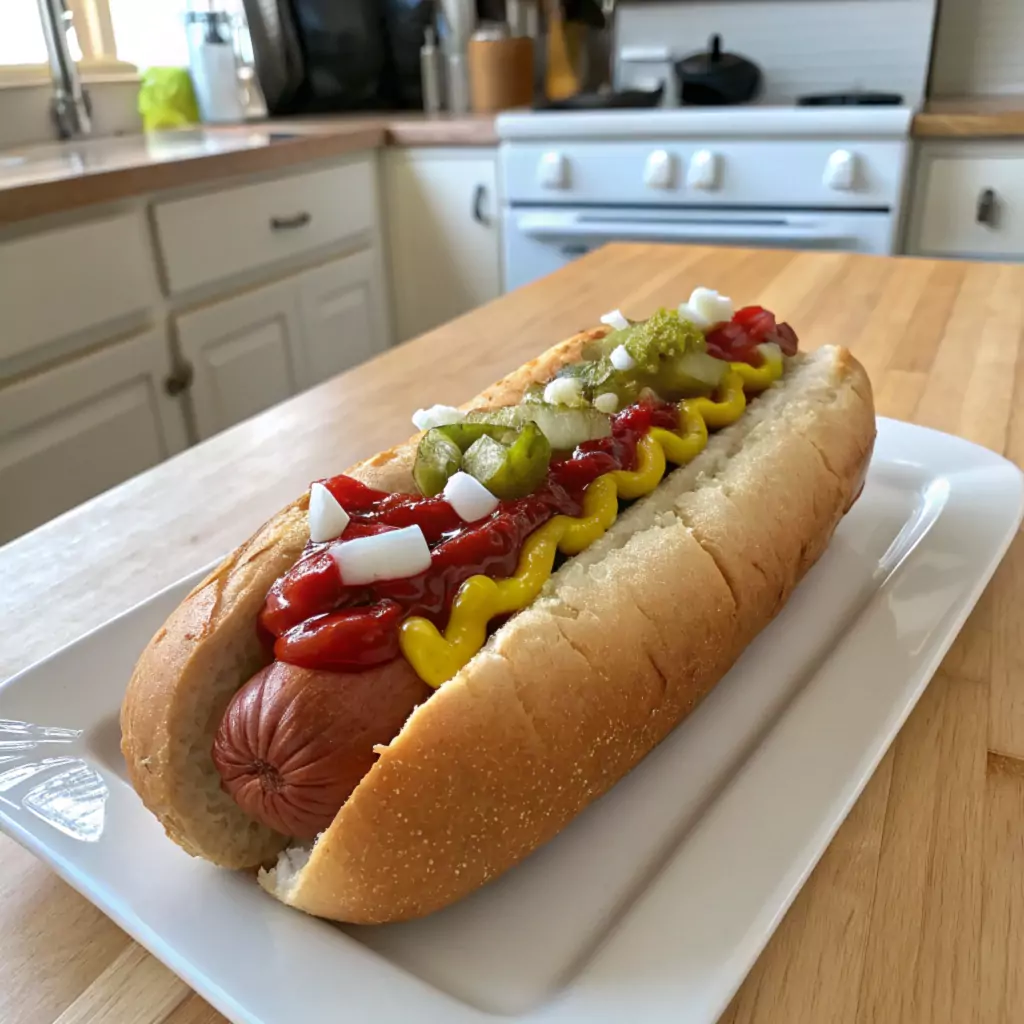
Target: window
(108,35)
(150,33)
(21,41)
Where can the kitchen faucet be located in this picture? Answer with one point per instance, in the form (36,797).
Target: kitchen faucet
(71,110)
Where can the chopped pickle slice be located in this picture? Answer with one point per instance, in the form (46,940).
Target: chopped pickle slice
(591,375)
(510,471)
(437,458)
(464,434)
(565,428)
(693,373)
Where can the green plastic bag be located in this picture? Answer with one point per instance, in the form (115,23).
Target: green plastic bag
(166,99)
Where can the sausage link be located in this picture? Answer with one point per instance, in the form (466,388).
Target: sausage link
(295,742)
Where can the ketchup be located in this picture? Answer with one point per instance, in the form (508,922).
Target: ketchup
(751,326)
(314,620)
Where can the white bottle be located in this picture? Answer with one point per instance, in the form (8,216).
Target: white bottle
(214,70)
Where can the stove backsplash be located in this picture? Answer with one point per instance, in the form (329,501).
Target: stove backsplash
(802,46)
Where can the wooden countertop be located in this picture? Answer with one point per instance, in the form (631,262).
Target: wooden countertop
(971,117)
(915,915)
(54,177)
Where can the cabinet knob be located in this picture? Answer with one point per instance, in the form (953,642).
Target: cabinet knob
(180,380)
(987,212)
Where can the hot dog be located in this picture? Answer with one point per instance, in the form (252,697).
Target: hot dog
(425,667)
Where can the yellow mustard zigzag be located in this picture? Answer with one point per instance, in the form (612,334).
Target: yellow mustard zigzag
(437,658)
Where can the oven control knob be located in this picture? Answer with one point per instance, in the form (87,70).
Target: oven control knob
(553,170)
(660,170)
(841,171)
(703,171)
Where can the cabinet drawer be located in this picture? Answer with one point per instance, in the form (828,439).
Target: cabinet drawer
(69,433)
(217,235)
(61,282)
(972,205)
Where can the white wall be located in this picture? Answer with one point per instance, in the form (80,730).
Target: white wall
(979,48)
(802,45)
(25,111)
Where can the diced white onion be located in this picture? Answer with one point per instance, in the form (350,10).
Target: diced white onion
(615,320)
(564,391)
(694,316)
(327,519)
(470,499)
(621,359)
(437,416)
(710,306)
(393,555)
(607,403)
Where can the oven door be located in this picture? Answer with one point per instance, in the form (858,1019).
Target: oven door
(538,240)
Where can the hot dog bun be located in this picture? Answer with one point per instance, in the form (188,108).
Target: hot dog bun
(563,700)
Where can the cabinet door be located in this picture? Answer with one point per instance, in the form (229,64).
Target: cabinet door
(342,319)
(246,354)
(443,234)
(70,432)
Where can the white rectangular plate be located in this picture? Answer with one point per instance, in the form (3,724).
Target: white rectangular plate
(655,902)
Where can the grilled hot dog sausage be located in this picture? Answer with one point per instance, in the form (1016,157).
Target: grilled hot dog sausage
(295,742)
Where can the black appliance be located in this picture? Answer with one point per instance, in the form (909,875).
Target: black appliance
(715,78)
(318,56)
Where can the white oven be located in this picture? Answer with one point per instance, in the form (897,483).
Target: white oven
(792,178)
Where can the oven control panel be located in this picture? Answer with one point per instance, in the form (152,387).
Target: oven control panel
(791,173)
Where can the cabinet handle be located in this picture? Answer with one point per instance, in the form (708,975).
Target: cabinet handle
(180,380)
(297,220)
(479,194)
(986,213)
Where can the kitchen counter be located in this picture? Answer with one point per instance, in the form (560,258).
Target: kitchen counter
(404,129)
(978,117)
(916,912)
(54,177)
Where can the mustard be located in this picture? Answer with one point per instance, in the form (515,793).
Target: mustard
(436,658)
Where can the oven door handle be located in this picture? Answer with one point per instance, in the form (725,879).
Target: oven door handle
(541,226)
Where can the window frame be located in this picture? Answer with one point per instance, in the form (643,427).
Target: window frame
(95,30)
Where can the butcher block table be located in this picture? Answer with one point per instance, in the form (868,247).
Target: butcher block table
(916,911)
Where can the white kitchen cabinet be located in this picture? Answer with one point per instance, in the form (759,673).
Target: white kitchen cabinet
(70,280)
(343,318)
(244,354)
(968,200)
(258,348)
(443,233)
(304,245)
(70,432)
